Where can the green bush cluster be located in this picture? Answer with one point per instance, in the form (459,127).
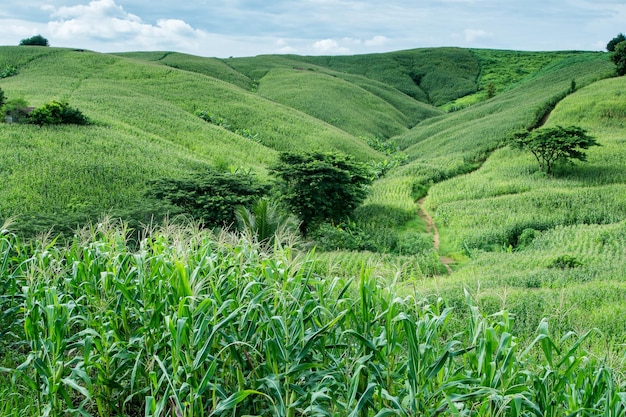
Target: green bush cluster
(56,113)
(53,113)
(8,71)
(210,197)
(352,237)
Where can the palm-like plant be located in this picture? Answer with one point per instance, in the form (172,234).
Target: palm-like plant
(266,223)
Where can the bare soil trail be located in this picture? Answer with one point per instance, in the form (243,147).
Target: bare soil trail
(431,228)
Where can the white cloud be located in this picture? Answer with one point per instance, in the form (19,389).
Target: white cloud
(377,41)
(473,35)
(105,21)
(329,46)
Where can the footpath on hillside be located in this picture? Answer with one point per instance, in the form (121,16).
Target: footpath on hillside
(431,228)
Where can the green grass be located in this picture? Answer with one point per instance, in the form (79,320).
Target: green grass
(433,76)
(578,213)
(184,322)
(212,67)
(144,129)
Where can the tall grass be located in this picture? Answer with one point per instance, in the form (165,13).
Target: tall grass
(193,324)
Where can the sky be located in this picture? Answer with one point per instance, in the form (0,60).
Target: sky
(239,28)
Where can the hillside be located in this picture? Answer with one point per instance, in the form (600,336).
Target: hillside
(468,280)
(145,128)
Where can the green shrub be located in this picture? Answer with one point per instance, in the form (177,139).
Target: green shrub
(211,197)
(526,237)
(17,109)
(8,71)
(56,113)
(565,261)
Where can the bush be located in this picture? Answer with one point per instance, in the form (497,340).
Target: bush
(36,40)
(526,237)
(56,113)
(8,71)
(17,109)
(565,261)
(211,197)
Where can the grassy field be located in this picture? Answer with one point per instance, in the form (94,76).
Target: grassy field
(545,246)
(171,320)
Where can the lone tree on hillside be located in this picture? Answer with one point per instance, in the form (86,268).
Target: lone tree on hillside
(320,187)
(619,58)
(554,144)
(36,40)
(613,42)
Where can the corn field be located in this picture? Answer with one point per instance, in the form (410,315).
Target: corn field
(187,323)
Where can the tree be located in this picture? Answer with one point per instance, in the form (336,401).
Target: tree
(36,40)
(3,98)
(619,58)
(613,42)
(320,187)
(209,196)
(554,144)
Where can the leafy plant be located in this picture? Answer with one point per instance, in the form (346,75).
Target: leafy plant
(211,197)
(321,187)
(55,113)
(17,109)
(8,71)
(565,261)
(554,144)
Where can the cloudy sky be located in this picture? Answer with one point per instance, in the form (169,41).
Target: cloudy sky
(312,27)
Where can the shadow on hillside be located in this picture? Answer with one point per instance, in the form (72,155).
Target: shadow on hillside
(592,175)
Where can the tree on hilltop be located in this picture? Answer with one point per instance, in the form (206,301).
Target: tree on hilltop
(615,41)
(36,40)
(554,144)
(619,58)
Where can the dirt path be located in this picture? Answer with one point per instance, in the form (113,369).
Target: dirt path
(431,228)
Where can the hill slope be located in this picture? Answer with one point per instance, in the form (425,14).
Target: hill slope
(145,128)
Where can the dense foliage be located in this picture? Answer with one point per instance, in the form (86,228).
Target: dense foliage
(56,113)
(36,40)
(615,41)
(619,58)
(321,187)
(191,324)
(210,197)
(555,144)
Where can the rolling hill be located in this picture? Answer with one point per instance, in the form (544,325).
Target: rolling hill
(462,240)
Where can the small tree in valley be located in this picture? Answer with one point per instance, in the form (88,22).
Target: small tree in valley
(554,144)
(320,187)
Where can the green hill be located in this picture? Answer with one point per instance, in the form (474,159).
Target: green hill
(447,277)
(145,128)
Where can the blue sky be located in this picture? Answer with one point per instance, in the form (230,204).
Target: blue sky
(313,27)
